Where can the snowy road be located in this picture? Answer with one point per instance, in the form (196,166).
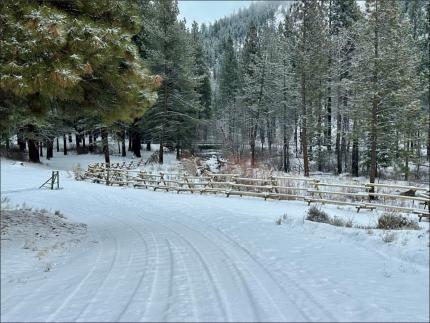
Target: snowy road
(155,256)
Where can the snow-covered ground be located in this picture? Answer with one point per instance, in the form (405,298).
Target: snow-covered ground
(72,161)
(157,256)
(42,238)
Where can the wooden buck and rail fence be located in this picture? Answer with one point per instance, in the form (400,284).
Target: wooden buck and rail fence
(401,198)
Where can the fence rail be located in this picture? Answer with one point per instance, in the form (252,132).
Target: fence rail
(412,199)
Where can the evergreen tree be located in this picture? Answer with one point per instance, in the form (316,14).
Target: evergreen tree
(167,50)
(289,112)
(342,17)
(203,88)
(226,98)
(79,55)
(254,69)
(311,70)
(386,82)
(418,14)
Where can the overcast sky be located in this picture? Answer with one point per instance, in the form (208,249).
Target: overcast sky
(208,11)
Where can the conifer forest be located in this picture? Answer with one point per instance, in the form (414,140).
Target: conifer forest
(334,86)
(214,161)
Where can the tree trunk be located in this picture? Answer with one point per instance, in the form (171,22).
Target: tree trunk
(21,141)
(285,148)
(319,144)
(33,149)
(252,153)
(163,124)
(284,154)
(354,154)
(105,142)
(328,133)
(136,143)
(262,136)
(58,145)
(83,140)
(123,149)
(130,143)
(49,149)
(407,161)
(78,141)
(70,137)
(41,148)
(148,146)
(373,143)
(270,130)
(296,144)
(338,136)
(65,145)
(327,139)
(303,132)
(7,142)
(428,138)
(375,102)
(178,151)
(343,143)
(161,151)
(90,143)
(256,117)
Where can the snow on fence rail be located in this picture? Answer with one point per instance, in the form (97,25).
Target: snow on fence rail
(413,199)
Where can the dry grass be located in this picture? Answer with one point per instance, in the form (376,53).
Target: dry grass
(317,215)
(395,221)
(388,237)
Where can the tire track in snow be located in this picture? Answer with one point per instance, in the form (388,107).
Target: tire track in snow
(236,270)
(52,317)
(245,285)
(95,294)
(142,275)
(139,282)
(157,266)
(103,282)
(206,269)
(238,273)
(171,280)
(307,294)
(33,295)
(189,280)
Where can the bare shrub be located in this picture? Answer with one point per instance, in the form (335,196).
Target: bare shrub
(349,223)
(78,172)
(364,227)
(281,219)
(191,165)
(153,159)
(317,215)
(394,221)
(336,221)
(388,237)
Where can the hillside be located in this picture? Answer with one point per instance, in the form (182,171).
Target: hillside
(236,26)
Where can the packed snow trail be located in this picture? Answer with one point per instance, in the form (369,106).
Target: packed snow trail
(156,256)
